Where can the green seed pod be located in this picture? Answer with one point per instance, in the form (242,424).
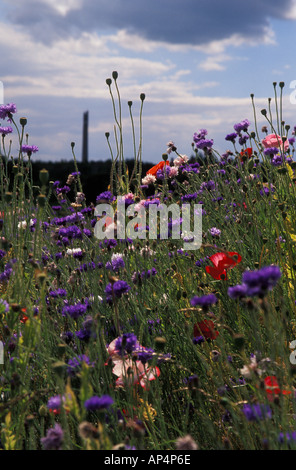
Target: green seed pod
(23,121)
(41,200)
(44,177)
(8,197)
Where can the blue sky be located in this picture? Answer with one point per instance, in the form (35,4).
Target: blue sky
(197,61)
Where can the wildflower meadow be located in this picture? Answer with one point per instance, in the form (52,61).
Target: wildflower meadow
(117,331)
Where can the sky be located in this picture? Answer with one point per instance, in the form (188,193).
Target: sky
(197,61)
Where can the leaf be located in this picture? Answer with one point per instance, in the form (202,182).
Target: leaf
(71,401)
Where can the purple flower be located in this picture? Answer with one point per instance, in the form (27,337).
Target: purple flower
(198,340)
(197,136)
(204,144)
(53,439)
(256,412)
(231,137)
(260,281)
(215,232)
(204,301)
(237,292)
(145,354)
(242,126)
(117,289)
(106,196)
(29,149)
(117,262)
(54,403)
(5,130)
(243,139)
(126,344)
(7,110)
(58,293)
(75,364)
(271,151)
(98,403)
(75,311)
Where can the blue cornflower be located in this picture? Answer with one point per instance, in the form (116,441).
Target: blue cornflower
(256,412)
(127,343)
(204,301)
(98,403)
(75,364)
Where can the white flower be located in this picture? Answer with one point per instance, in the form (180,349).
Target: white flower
(74,251)
(149,179)
(180,160)
(22,224)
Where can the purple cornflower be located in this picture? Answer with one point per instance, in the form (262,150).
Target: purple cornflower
(117,262)
(54,438)
(6,111)
(126,344)
(260,281)
(277,160)
(106,196)
(204,144)
(237,292)
(242,126)
(29,149)
(5,130)
(75,364)
(205,301)
(231,137)
(215,232)
(289,436)
(271,151)
(145,354)
(58,293)
(87,329)
(243,139)
(75,311)
(198,340)
(256,283)
(54,403)
(256,412)
(189,197)
(197,136)
(117,289)
(98,403)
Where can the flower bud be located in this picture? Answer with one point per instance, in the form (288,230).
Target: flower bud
(44,176)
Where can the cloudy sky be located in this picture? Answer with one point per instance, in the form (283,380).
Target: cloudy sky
(197,61)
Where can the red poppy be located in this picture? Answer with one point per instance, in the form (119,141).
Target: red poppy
(24,318)
(222,262)
(206,329)
(157,167)
(272,387)
(248,152)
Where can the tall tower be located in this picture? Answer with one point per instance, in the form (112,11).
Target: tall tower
(85,138)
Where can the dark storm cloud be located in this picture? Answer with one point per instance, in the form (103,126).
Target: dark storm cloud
(192,22)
